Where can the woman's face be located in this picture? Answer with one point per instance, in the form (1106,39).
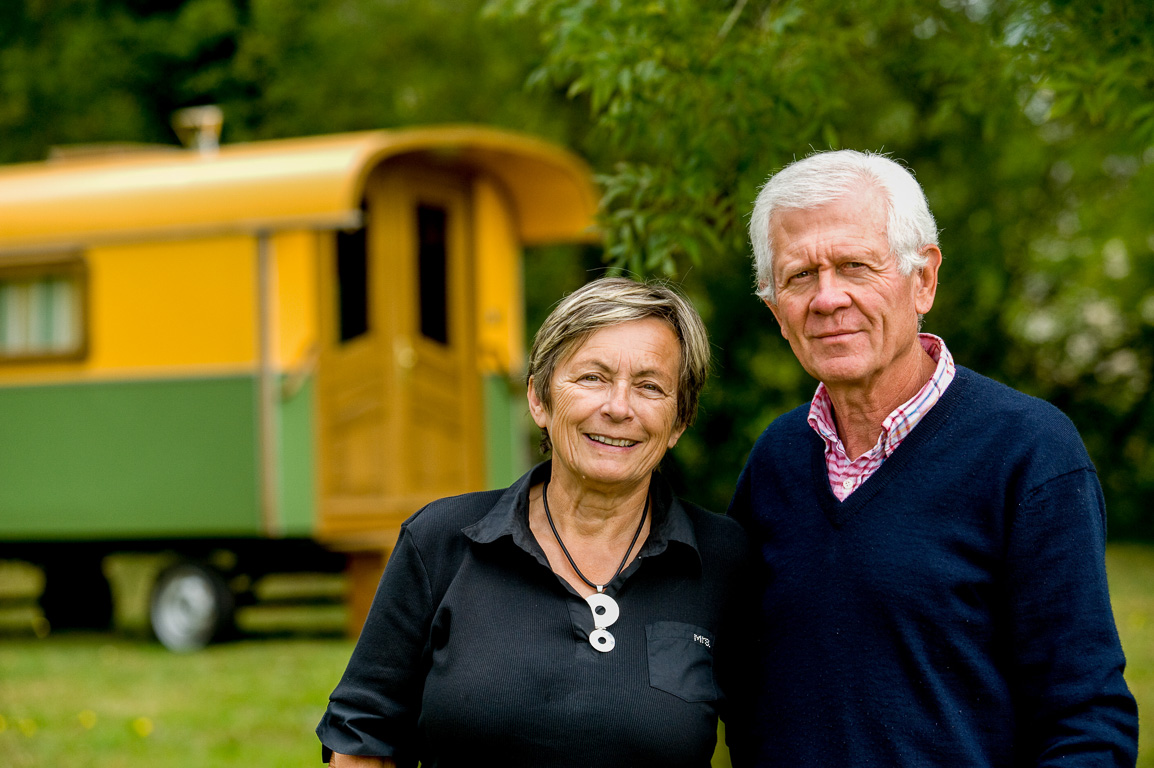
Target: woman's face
(614,412)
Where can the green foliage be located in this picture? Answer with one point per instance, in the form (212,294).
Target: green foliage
(324,65)
(1029,124)
(90,71)
(115,70)
(1080,320)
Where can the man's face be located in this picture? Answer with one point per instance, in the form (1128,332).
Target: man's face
(843,305)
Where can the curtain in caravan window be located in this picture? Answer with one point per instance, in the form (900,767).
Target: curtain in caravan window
(39,316)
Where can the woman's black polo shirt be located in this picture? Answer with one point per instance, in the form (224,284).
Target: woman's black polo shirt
(475,649)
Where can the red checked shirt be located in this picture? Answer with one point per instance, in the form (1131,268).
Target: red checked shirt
(846,476)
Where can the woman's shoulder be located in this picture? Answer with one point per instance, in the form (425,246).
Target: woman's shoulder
(448,516)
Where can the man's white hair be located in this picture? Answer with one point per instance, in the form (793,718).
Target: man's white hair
(827,177)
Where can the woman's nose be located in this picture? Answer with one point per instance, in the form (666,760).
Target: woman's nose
(617,404)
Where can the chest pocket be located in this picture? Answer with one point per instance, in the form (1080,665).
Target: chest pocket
(681,660)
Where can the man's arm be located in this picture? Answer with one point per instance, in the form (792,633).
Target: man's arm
(1073,703)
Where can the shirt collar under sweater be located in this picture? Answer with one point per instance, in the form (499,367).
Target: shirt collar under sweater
(510,517)
(846,476)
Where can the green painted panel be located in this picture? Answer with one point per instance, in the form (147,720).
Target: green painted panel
(297,463)
(129,459)
(505,441)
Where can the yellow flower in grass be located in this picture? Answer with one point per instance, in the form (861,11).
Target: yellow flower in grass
(142,726)
(87,718)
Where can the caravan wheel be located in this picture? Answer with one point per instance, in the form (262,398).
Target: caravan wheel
(191,606)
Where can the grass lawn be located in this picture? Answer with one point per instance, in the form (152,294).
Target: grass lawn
(104,701)
(1131,571)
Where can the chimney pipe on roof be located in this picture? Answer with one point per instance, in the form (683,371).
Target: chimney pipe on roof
(199,127)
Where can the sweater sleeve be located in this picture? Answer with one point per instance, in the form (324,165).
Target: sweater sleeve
(374,709)
(1073,704)
(736,668)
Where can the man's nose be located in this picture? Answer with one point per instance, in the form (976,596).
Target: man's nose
(830,292)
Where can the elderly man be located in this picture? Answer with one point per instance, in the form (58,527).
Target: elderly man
(933,541)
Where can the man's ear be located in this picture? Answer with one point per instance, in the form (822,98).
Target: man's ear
(927,279)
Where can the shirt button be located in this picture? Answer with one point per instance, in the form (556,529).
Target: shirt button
(847,484)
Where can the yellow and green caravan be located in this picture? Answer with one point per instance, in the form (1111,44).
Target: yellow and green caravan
(278,350)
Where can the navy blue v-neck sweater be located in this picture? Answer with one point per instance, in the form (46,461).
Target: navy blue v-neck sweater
(953,610)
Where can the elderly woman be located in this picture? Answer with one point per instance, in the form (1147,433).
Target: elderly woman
(584,616)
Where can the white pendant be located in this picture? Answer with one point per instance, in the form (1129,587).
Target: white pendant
(601,640)
(605,610)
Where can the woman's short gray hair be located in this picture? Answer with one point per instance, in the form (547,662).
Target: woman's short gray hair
(611,301)
(826,177)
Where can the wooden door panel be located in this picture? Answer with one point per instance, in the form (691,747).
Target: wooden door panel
(400,404)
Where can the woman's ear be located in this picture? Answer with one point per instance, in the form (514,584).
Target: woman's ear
(536,407)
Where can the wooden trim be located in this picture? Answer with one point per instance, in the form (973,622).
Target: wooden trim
(268,396)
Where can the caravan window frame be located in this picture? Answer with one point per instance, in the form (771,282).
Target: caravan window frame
(29,290)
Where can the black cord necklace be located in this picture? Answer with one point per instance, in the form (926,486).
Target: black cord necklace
(599,587)
(605,608)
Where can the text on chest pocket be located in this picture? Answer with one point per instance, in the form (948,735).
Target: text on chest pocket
(681,660)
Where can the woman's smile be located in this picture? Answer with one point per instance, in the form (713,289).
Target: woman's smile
(618,442)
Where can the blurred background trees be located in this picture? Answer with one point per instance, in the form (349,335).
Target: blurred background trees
(1030,124)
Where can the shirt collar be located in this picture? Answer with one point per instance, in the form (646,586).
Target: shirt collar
(510,517)
(904,418)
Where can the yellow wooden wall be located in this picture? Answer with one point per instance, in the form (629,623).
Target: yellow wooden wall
(181,308)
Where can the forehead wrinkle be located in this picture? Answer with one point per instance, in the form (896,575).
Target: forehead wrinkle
(596,361)
(803,251)
(827,249)
(656,373)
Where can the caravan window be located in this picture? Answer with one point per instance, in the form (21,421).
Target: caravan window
(353,281)
(41,308)
(432,271)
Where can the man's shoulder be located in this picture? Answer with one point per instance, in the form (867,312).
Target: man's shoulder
(982,417)
(983,398)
